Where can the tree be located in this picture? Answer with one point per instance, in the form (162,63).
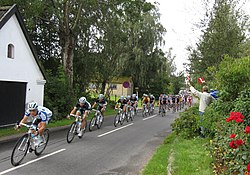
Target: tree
(223,36)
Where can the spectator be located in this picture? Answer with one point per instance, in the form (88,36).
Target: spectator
(205,100)
(204,96)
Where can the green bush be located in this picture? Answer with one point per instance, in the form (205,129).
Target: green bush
(232,77)
(233,81)
(57,96)
(187,124)
(242,104)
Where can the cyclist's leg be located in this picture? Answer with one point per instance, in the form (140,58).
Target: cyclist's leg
(41,125)
(84,119)
(124,108)
(81,113)
(103,110)
(159,107)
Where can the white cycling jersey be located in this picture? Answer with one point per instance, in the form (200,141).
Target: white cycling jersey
(43,113)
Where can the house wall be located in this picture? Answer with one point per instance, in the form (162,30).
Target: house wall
(121,90)
(23,68)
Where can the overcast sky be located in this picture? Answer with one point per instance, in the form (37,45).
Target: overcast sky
(179,18)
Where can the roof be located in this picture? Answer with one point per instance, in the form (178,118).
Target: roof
(121,80)
(6,12)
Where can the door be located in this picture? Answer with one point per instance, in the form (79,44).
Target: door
(12,102)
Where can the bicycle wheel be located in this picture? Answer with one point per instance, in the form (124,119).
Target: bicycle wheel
(100,122)
(92,123)
(72,132)
(20,150)
(127,117)
(162,112)
(116,120)
(39,149)
(132,115)
(122,118)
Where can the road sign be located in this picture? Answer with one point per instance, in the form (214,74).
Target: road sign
(126,84)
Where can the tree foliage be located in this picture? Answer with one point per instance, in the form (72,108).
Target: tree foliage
(95,41)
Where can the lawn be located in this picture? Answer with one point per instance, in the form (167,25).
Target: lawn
(179,156)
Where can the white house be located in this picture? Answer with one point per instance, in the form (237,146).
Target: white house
(22,78)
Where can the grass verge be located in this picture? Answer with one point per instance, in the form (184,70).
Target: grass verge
(11,131)
(188,157)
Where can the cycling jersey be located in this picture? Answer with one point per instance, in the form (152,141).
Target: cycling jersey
(189,98)
(152,99)
(122,103)
(164,100)
(173,99)
(83,108)
(177,100)
(181,99)
(169,100)
(101,103)
(44,114)
(133,101)
(146,100)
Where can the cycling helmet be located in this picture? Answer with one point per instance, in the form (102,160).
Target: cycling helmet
(121,98)
(134,95)
(82,100)
(32,106)
(128,97)
(101,96)
(151,96)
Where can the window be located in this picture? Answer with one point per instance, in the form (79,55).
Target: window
(10,51)
(113,86)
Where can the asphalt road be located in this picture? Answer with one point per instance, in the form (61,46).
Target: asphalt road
(108,151)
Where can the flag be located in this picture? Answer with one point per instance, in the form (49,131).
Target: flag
(201,80)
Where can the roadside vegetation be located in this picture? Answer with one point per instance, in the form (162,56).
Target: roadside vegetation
(179,156)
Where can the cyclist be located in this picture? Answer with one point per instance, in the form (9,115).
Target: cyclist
(177,100)
(102,103)
(128,105)
(169,98)
(134,101)
(146,101)
(152,101)
(164,102)
(160,98)
(41,116)
(81,109)
(173,102)
(190,99)
(121,103)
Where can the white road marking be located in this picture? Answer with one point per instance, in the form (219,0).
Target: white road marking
(32,161)
(114,130)
(150,117)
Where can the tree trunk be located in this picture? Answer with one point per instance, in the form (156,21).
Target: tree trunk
(68,55)
(104,82)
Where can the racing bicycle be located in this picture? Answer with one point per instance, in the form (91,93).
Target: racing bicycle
(97,120)
(28,143)
(119,118)
(75,127)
